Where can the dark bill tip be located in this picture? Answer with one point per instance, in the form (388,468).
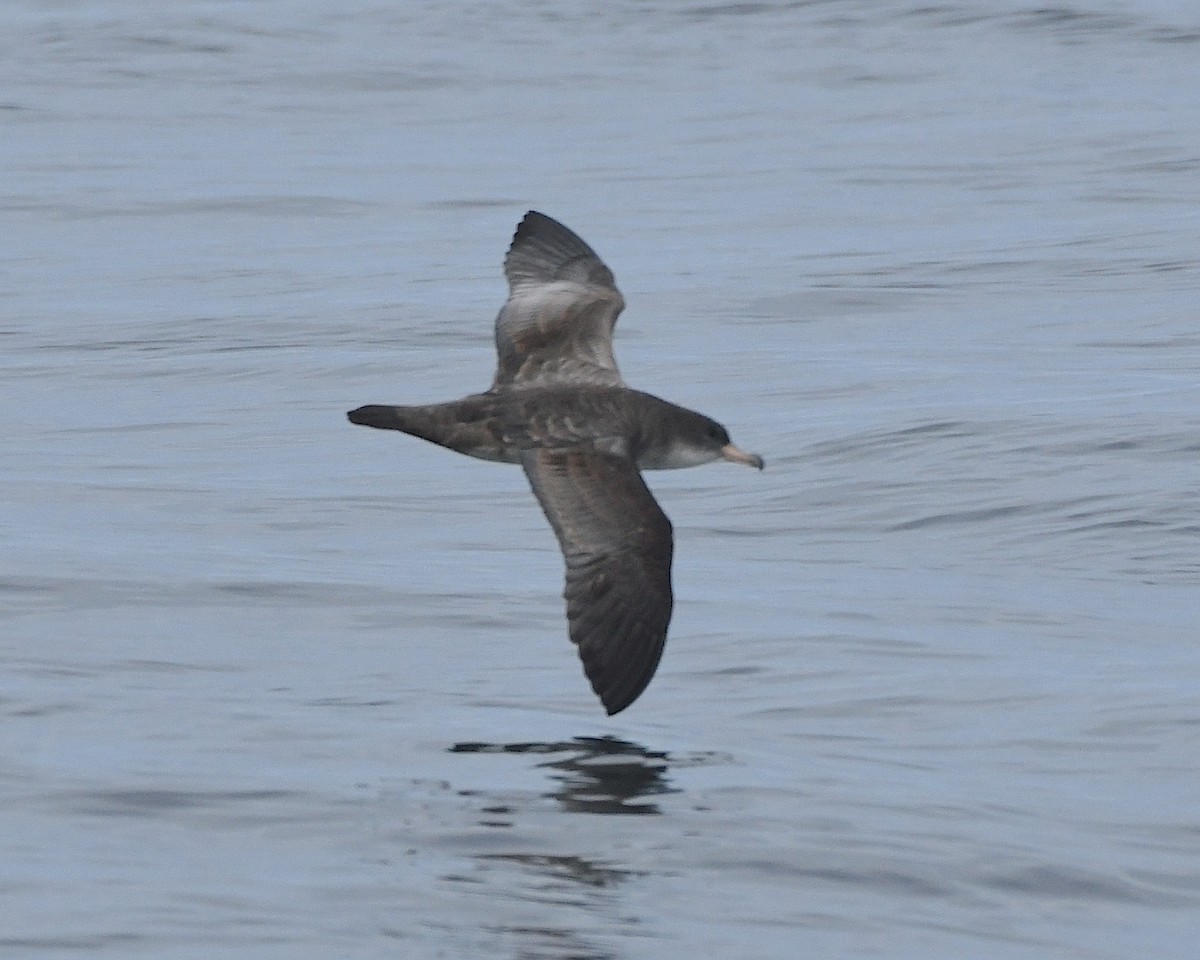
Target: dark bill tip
(734,455)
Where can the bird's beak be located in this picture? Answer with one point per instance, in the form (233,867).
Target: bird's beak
(734,455)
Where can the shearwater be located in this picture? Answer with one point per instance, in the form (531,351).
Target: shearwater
(559,408)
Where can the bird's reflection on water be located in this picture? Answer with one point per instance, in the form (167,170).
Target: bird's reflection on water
(552,865)
(595,774)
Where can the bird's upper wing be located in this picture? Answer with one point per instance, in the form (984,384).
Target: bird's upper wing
(618,544)
(563,303)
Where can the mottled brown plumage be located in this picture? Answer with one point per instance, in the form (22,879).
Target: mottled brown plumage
(559,408)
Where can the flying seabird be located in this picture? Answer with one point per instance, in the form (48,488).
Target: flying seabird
(559,408)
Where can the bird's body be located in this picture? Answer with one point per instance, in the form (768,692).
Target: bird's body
(559,408)
(500,425)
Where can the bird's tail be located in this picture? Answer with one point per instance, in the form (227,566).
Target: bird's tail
(467,426)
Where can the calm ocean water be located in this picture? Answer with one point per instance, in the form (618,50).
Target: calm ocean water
(275,686)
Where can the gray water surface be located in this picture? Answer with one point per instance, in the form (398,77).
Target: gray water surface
(275,686)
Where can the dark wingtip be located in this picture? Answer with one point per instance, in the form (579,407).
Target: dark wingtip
(616,689)
(620,688)
(543,250)
(532,223)
(615,701)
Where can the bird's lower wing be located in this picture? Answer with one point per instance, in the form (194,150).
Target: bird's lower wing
(617,544)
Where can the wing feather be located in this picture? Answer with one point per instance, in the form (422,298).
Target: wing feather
(618,544)
(563,304)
